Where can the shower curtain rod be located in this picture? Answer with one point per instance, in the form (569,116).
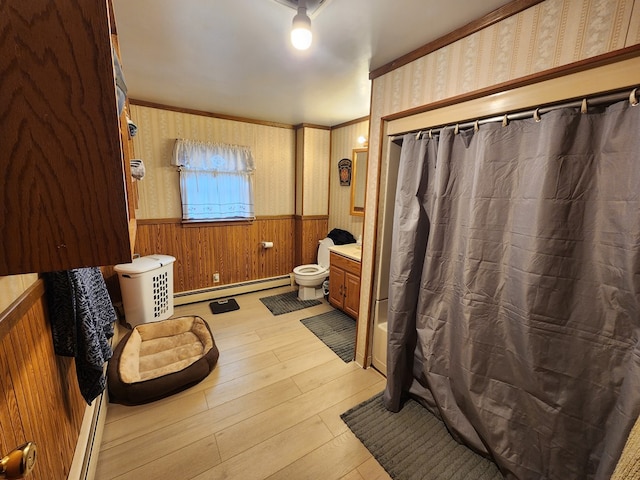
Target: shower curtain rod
(584,104)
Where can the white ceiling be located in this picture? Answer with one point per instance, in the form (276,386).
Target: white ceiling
(234,57)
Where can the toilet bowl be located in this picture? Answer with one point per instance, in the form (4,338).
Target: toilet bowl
(310,277)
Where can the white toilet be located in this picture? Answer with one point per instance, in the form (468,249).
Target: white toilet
(311,276)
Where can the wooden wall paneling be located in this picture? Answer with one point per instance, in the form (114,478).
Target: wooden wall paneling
(278,260)
(11,431)
(190,252)
(22,391)
(298,244)
(201,263)
(311,231)
(40,400)
(251,253)
(232,250)
(223,262)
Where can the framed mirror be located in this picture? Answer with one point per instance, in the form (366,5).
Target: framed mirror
(358,181)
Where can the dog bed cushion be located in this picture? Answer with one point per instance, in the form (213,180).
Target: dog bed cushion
(158,359)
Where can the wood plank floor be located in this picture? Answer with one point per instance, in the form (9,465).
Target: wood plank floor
(269,410)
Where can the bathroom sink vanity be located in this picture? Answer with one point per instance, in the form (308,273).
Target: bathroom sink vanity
(344,278)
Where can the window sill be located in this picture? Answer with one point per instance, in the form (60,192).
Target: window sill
(217,223)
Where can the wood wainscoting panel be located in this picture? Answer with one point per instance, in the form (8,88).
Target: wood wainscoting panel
(233,250)
(39,396)
(309,231)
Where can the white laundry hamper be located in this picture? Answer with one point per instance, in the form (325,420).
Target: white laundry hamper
(147,288)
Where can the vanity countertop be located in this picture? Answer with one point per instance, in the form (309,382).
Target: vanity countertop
(350,250)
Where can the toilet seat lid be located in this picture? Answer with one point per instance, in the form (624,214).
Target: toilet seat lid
(323,251)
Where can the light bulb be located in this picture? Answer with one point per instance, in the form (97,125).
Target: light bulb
(301,38)
(301,30)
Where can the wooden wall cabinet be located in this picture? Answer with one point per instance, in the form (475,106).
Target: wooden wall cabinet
(63,185)
(344,284)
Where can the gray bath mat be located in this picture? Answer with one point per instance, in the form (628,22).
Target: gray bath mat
(287,302)
(414,445)
(336,330)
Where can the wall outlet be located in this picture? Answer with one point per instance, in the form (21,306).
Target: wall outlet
(216,277)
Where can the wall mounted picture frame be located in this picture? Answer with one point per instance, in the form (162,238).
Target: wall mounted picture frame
(344,170)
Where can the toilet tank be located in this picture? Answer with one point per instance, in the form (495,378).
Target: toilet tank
(323,252)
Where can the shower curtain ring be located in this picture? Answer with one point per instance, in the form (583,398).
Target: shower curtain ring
(584,108)
(476,126)
(505,120)
(633,100)
(536,114)
(418,135)
(457,129)
(430,136)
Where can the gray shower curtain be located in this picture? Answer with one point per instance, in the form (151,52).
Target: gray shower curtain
(514,298)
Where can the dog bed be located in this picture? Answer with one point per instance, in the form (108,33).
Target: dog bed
(158,359)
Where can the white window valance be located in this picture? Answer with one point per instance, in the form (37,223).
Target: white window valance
(216,180)
(219,157)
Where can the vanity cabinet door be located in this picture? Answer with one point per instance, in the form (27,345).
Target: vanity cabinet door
(336,287)
(352,294)
(344,284)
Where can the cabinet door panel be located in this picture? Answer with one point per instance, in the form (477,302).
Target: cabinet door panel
(336,287)
(62,188)
(352,298)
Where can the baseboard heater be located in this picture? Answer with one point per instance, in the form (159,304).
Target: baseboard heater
(193,296)
(85,457)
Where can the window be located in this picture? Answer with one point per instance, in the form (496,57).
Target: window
(216,181)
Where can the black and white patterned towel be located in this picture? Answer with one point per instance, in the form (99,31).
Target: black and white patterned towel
(82,318)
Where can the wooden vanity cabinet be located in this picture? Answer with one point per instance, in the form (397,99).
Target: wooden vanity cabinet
(344,284)
(63,187)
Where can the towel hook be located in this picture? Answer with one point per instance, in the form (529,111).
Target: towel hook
(633,100)
(583,107)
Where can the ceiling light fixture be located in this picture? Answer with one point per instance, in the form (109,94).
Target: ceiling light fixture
(301,28)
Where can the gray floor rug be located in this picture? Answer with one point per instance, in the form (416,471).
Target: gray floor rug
(336,330)
(414,445)
(287,302)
